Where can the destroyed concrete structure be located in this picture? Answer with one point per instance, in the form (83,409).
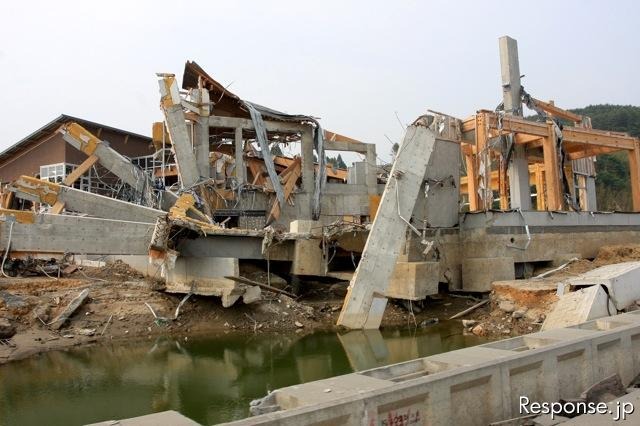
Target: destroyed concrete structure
(215,196)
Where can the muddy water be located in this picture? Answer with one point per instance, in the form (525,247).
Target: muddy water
(210,380)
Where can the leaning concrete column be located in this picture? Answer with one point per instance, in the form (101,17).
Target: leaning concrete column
(365,301)
(171,104)
(519,168)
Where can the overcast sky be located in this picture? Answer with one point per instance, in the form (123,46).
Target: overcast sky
(354,64)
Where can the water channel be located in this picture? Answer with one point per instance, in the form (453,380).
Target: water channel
(210,379)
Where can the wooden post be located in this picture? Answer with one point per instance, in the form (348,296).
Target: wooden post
(541,197)
(80,170)
(634,169)
(551,170)
(472,181)
(568,170)
(72,177)
(503,185)
(484,163)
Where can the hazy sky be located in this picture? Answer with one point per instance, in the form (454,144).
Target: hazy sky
(354,64)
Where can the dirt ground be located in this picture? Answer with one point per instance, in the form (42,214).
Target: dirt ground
(121,301)
(509,314)
(116,308)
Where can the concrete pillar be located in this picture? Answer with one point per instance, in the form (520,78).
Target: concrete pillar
(307,254)
(592,203)
(241,169)
(171,104)
(371,170)
(201,131)
(365,301)
(518,169)
(201,146)
(308,171)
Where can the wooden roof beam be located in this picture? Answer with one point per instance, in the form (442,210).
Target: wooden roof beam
(553,110)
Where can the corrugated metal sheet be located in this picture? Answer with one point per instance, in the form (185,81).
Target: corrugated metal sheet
(584,166)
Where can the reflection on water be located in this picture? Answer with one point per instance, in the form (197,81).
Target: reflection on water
(210,380)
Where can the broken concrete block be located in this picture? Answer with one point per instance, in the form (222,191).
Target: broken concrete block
(414,280)
(228,299)
(469,323)
(519,313)
(70,309)
(507,306)
(621,279)
(42,313)
(7,330)
(578,307)
(252,294)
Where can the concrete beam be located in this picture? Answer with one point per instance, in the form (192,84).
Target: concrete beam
(40,191)
(365,301)
(83,140)
(75,234)
(271,126)
(346,146)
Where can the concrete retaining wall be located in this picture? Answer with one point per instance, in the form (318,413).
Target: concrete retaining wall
(472,386)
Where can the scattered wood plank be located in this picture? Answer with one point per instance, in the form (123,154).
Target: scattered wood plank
(244,280)
(471,309)
(70,309)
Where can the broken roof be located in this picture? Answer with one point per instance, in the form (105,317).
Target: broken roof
(226,103)
(52,126)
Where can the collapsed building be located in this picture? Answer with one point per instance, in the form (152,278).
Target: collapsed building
(212,195)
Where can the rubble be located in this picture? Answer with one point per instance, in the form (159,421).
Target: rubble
(7,330)
(70,309)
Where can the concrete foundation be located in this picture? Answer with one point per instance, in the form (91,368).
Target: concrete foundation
(479,273)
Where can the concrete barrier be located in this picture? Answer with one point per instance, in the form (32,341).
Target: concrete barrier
(471,386)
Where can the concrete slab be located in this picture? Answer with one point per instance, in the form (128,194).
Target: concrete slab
(327,390)
(471,356)
(170,417)
(578,307)
(622,280)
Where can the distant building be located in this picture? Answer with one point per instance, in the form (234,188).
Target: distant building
(44,154)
